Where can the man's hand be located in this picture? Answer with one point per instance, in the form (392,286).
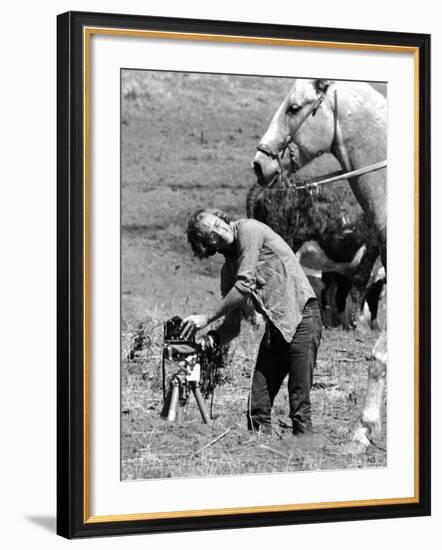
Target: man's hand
(192,324)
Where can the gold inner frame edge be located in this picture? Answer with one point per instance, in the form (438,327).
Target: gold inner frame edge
(87,33)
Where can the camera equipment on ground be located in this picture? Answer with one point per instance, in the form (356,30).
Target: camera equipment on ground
(188,368)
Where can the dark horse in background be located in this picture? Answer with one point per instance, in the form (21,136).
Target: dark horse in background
(331,235)
(348,120)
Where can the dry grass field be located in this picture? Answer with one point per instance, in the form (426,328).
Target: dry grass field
(187,141)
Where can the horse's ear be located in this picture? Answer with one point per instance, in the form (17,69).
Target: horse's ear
(322,85)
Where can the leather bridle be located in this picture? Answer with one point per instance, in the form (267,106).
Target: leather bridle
(287,143)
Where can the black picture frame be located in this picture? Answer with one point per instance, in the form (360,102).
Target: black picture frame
(72,506)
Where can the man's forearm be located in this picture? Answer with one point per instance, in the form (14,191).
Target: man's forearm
(233,300)
(229,328)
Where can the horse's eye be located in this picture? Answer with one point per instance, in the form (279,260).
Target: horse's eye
(293,109)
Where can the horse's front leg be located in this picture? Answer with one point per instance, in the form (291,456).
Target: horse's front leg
(368,425)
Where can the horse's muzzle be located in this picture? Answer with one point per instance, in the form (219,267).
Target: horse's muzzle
(266,169)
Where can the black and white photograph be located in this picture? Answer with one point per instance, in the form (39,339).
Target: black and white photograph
(253,274)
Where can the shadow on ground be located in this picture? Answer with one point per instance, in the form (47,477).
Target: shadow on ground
(48,523)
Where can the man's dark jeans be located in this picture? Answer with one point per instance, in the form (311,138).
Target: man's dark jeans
(277,359)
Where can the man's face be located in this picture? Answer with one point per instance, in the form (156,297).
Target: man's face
(219,232)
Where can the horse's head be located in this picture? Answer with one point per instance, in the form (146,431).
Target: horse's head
(305,118)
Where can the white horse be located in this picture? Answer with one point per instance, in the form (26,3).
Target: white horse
(349,120)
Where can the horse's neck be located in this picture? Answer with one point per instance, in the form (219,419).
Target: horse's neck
(362,122)
(362,119)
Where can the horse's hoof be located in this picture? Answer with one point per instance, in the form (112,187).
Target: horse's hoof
(369,425)
(356,447)
(357,442)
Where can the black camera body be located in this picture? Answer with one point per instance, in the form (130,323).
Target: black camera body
(172,328)
(174,347)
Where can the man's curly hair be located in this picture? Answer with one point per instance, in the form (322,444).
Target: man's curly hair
(197,238)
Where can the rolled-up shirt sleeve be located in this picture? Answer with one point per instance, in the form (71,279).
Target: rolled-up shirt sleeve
(249,242)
